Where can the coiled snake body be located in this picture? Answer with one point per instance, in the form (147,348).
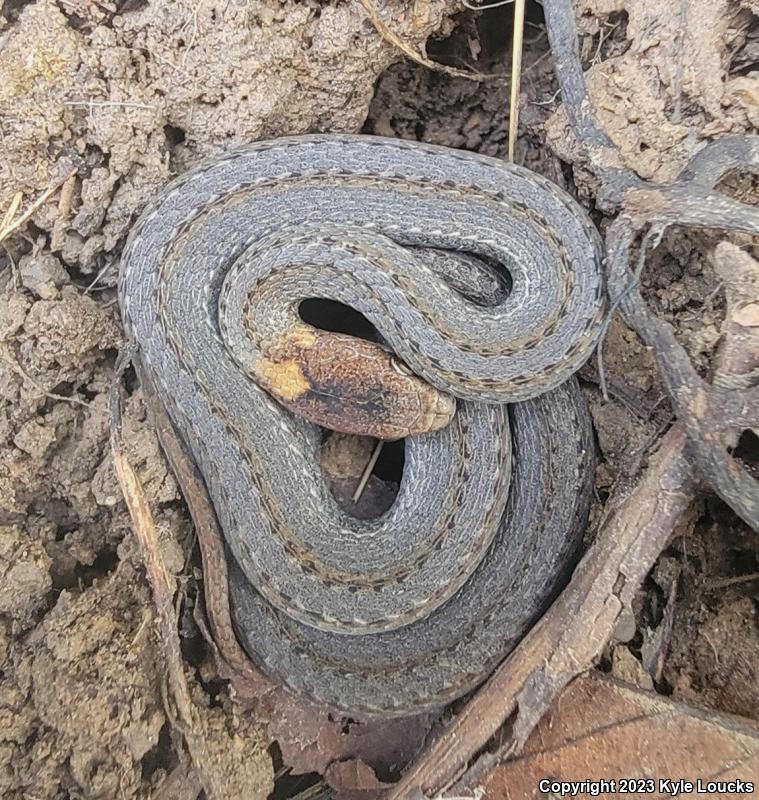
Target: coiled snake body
(404,612)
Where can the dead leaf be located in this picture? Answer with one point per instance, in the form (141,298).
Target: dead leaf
(311,739)
(599,728)
(354,780)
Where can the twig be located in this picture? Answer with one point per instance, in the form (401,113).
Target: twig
(599,148)
(194,35)
(539,60)
(551,99)
(147,536)
(389,35)
(516,74)
(367,471)
(709,415)
(94,282)
(723,583)
(232,660)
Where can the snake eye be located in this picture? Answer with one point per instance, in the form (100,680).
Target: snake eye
(400,367)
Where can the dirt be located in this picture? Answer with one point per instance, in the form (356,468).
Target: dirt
(132,93)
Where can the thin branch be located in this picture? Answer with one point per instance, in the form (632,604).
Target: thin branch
(189,721)
(233,662)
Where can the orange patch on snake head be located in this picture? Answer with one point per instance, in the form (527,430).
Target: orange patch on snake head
(285,379)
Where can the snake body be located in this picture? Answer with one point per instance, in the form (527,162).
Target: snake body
(404,612)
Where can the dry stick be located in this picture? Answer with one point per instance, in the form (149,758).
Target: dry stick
(516,74)
(740,349)
(709,414)
(723,583)
(144,529)
(601,152)
(690,202)
(390,36)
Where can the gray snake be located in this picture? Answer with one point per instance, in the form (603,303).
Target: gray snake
(404,612)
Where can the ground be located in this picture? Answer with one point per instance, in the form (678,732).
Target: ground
(132,93)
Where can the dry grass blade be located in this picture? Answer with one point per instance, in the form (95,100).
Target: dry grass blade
(12,223)
(389,35)
(516,74)
(146,533)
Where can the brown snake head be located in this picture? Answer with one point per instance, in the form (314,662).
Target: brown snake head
(350,385)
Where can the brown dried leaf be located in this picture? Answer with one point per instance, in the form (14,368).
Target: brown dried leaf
(603,729)
(354,780)
(311,739)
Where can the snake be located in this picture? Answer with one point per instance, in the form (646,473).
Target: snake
(405,612)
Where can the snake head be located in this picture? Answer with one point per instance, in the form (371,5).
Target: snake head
(350,385)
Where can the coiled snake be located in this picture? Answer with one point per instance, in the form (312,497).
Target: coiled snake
(405,612)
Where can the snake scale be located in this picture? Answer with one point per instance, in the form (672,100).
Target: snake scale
(407,611)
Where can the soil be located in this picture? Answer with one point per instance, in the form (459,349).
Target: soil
(129,94)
